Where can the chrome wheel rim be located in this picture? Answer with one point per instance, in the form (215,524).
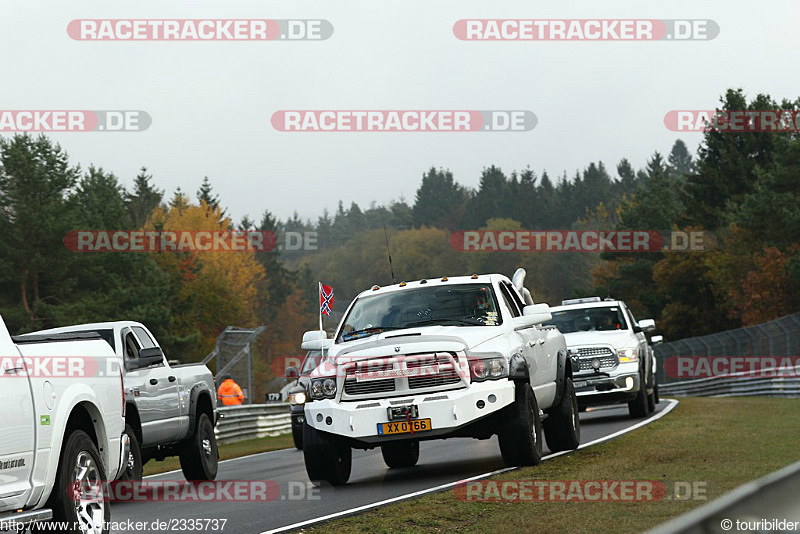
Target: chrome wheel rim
(89,505)
(207,446)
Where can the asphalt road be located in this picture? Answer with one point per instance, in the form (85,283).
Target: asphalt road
(441,463)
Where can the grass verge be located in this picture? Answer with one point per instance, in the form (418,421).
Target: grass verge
(226,452)
(722,443)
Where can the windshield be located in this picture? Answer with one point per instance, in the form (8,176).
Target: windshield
(462,305)
(312,361)
(590,320)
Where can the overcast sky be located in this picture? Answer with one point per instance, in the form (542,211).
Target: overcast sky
(211,102)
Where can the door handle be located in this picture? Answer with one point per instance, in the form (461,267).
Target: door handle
(541,341)
(172,379)
(153,381)
(531,343)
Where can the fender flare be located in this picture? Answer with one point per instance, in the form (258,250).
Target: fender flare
(566,367)
(194,396)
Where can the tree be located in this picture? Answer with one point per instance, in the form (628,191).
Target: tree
(680,160)
(35,176)
(144,199)
(206,194)
(439,201)
(727,163)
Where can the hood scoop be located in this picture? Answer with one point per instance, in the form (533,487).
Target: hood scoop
(404,335)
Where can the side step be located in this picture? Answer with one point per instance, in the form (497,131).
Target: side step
(21,520)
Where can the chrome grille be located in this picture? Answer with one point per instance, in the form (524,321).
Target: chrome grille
(444,378)
(606,357)
(447,374)
(351,387)
(586,352)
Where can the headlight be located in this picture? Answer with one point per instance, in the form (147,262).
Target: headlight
(297,398)
(329,387)
(323,387)
(627,355)
(488,369)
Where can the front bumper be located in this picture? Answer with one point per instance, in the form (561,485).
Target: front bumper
(448,411)
(604,389)
(124,453)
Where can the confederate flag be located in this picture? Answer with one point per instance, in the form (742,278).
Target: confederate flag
(325,299)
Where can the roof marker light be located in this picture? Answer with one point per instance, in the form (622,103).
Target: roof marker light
(376,287)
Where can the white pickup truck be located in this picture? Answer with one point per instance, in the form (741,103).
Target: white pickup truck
(171,410)
(62,421)
(616,362)
(440,358)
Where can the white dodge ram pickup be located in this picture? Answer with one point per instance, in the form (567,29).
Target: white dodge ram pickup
(440,358)
(616,362)
(62,422)
(171,410)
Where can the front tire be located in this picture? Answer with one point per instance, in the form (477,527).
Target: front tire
(401,453)
(200,458)
(521,433)
(75,500)
(134,467)
(562,428)
(327,458)
(297,436)
(639,406)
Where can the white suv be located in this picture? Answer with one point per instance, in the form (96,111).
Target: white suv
(616,363)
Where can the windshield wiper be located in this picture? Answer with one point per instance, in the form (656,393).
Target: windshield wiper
(371,330)
(462,322)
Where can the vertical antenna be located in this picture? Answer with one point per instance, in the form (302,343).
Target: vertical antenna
(389,252)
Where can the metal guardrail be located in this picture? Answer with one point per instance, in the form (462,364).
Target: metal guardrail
(778,338)
(737,386)
(252,421)
(775,497)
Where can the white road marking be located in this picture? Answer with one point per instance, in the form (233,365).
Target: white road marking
(672,404)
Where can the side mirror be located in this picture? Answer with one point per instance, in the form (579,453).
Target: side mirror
(149,357)
(655,340)
(647,325)
(292,372)
(314,335)
(533,315)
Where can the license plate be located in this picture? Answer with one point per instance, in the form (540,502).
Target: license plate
(404,427)
(579,384)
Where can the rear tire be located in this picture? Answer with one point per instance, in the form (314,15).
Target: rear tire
(200,458)
(401,453)
(327,457)
(79,463)
(521,433)
(134,468)
(562,428)
(651,401)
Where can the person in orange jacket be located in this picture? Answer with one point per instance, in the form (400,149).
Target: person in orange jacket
(230,393)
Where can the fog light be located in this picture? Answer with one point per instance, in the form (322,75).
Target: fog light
(492,398)
(319,418)
(328,420)
(480,404)
(629,382)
